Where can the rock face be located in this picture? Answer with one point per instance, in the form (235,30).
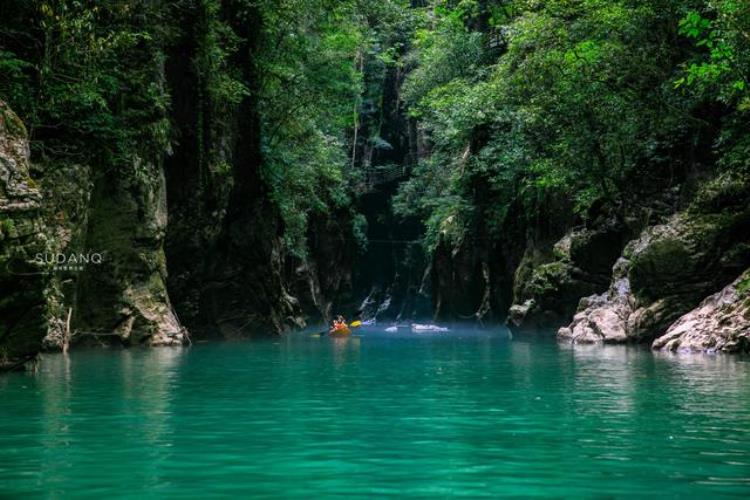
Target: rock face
(546,294)
(224,248)
(126,294)
(670,268)
(720,323)
(245,293)
(23,279)
(81,257)
(322,280)
(460,279)
(66,193)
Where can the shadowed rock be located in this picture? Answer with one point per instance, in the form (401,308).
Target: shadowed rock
(547,295)
(23,281)
(668,270)
(720,323)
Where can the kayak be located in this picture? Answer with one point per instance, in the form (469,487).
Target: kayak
(340,332)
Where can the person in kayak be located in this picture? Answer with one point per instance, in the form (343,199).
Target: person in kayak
(339,326)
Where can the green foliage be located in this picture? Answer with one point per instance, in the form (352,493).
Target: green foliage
(7,226)
(310,82)
(719,70)
(721,66)
(446,52)
(317,72)
(580,103)
(217,44)
(743,285)
(86,78)
(359,231)
(515,101)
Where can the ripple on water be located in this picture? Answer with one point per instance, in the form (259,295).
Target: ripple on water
(466,414)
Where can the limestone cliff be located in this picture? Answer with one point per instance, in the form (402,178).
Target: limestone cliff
(322,280)
(54,216)
(224,238)
(671,267)
(721,323)
(126,294)
(24,281)
(583,259)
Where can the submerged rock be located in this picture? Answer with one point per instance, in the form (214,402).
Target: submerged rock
(416,327)
(720,323)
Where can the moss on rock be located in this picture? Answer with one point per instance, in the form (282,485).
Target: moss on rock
(23,281)
(671,267)
(549,286)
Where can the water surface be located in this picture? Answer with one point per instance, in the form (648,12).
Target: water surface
(432,415)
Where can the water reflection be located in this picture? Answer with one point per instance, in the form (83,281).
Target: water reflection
(345,349)
(56,436)
(468,413)
(127,394)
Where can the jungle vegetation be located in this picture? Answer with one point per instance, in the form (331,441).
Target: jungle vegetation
(517,100)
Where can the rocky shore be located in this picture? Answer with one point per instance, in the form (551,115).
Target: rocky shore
(658,283)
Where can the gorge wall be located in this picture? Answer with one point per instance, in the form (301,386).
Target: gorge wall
(239,169)
(23,305)
(224,237)
(584,174)
(183,235)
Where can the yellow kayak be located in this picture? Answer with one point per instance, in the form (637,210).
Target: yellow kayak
(340,332)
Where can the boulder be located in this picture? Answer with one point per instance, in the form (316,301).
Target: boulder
(720,323)
(604,317)
(547,291)
(670,268)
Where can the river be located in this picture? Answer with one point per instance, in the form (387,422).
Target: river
(462,413)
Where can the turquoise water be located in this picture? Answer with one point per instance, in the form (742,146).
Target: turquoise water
(438,415)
